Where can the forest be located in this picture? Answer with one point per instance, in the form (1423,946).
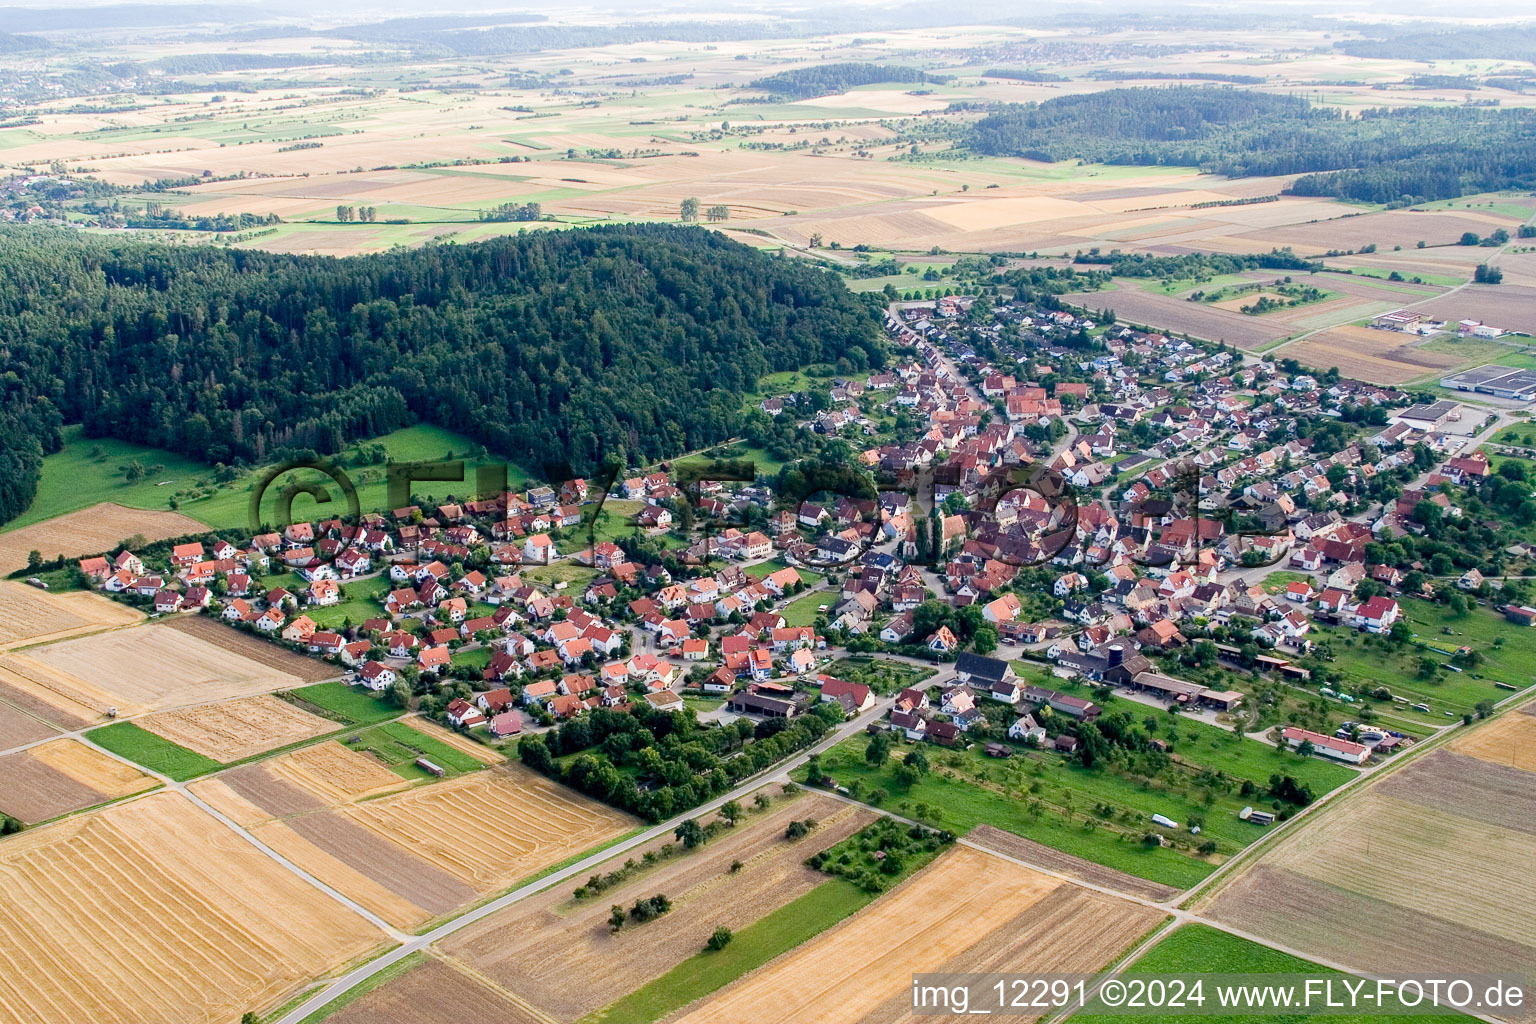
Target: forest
(1398,156)
(829,79)
(612,344)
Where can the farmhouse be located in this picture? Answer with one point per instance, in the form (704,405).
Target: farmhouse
(1326,746)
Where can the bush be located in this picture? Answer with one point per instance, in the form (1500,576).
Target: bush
(719,940)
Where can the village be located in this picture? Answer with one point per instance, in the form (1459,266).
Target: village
(1129,516)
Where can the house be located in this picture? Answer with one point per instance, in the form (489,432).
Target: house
(508,723)
(539,691)
(1326,746)
(801,661)
(897,629)
(856,696)
(914,725)
(432,660)
(299,629)
(376,675)
(1026,730)
(942,640)
(665,700)
(1377,615)
(167,601)
(464,714)
(323,593)
(1003,609)
(1300,591)
(1470,580)
(539,549)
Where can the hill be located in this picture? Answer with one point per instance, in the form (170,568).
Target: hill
(626,343)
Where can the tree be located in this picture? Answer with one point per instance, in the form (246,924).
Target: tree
(34,560)
(689,209)
(718,940)
(1470,238)
(1485,274)
(731,812)
(719,212)
(985,640)
(616,918)
(879,749)
(797,829)
(249,1017)
(1428,668)
(343,213)
(689,833)
(400,693)
(917,761)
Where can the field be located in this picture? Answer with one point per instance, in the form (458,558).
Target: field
(83,491)
(236,729)
(342,703)
(63,776)
(149,668)
(597,967)
(1201,949)
(1511,740)
(251,648)
(1380,882)
(126,739)
(29,615)
(171,918)
(802,611)
(1365,353)
(1003,917)
(1051,800)
(1456,692)
(410,853)
(90,531)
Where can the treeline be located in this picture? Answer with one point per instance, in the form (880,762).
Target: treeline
(829,79)
(1106,75)
(513,211)
(626,343)
(211,63)
(656,764)
(1480,42)
(1196,265)
(1394,156)
(1024,76)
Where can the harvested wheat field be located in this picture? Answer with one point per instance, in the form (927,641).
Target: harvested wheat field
(1364,353)
(90,531)
(1509,740)
(409,853)
(17,728)
(1001,917)
(143,669)
(236,729)
(596,967)
(63,776)
(1382,884)
(1042,856)
(436,992)
(29,615)
(251,648)
(153,912)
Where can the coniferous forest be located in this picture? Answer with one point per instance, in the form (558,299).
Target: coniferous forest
(628,342)
(1396,156)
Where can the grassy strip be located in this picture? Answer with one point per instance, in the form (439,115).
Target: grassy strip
(153,752)
(362,988)
(348,704)
(415,744)
(750,948)
(1200,949)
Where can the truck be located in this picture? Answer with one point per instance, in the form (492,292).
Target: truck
(1164,820)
